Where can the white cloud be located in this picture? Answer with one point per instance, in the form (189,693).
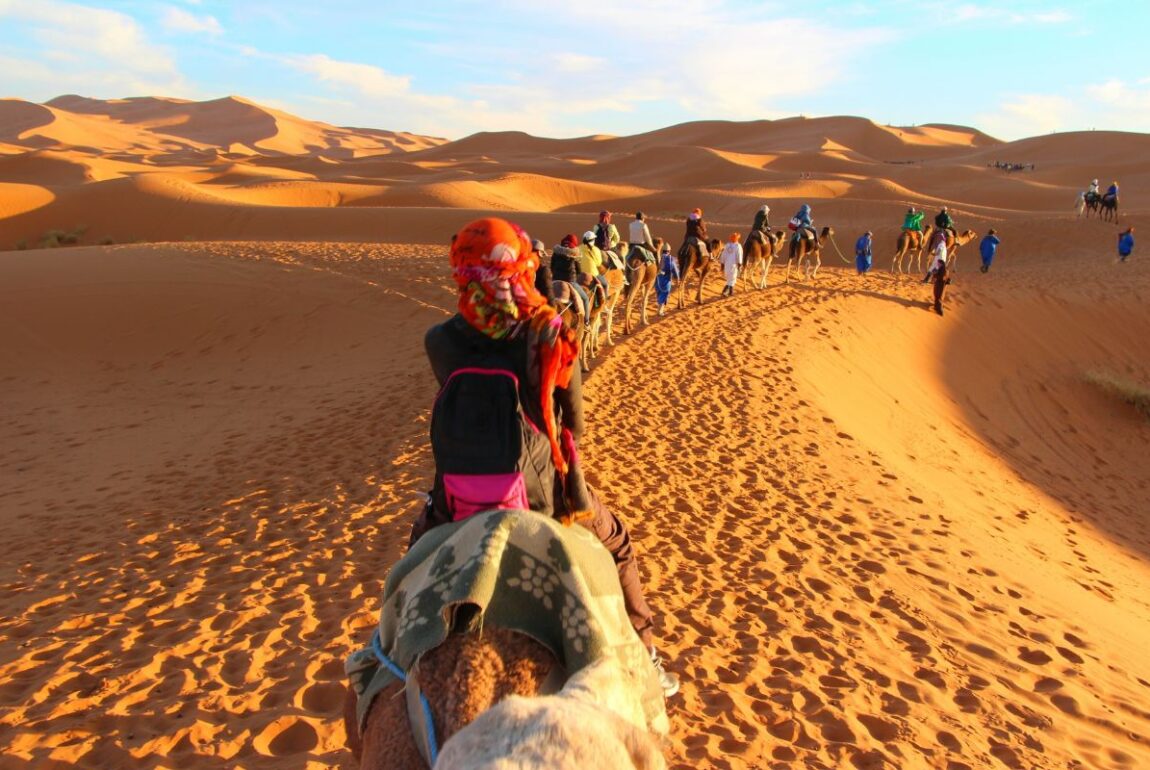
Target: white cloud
(970,12)
(91,48)
(365,79)
(179,20)
(576,62)
(1027,115)
(731,67)
(1115,105)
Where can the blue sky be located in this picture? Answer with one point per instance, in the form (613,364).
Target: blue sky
(566,68)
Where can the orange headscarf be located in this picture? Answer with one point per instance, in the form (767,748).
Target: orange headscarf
(494,266)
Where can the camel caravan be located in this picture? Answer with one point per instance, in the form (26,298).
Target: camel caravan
(588,279)
(514,632)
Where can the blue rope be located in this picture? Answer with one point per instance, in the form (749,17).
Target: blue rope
(389,664)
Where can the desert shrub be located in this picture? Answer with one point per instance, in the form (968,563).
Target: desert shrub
(1132,393)
(54,238)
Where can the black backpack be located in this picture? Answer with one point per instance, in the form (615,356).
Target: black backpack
(602,239)
(488,452)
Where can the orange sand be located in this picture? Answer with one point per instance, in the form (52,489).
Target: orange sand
(875,537)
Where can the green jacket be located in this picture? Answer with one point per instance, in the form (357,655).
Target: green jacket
(913,221)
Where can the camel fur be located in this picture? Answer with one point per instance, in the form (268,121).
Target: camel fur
(642,275)
(595,721)
(462,678)
(756,253)
(803,251)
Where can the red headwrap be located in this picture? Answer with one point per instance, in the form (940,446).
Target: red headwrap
(494,266)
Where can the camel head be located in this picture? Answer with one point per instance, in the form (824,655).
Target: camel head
(715,245)
(828,232)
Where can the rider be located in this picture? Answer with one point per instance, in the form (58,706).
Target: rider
(943,223)
(912,222)
(640,235)
(1092,190)
(1111,192)
(591,260)
(503,319)
(606,234)
(565,266)
(761,227)
(543,279)
(696,229)
(805,224)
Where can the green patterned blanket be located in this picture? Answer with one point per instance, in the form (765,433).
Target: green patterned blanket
(523,571)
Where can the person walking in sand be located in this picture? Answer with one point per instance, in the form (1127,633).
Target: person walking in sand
(863,255)
(731,259)
(987,248)
(1125,244)
(665,281)
(503,326)
(941,272)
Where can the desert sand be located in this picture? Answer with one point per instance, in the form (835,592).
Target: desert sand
(873,537)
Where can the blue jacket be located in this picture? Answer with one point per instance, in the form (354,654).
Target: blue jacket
(863,245)
(988,246)
(1125,244)
(804,215)
(1112,190)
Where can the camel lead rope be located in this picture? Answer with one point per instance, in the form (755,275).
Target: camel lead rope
(390,665)
(844,259)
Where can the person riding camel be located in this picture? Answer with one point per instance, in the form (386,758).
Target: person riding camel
(944,224)
(912,222)
(1111,193)
(606,234)
(696,230)
(565,267)
(544,283)
(504,327)
(804,224)
(1092,191)
(639,235)
(761,227)
(591,261)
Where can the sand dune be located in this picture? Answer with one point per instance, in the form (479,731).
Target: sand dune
(874,537)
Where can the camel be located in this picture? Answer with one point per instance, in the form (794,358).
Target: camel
(803,250)
(911,244)
(1108,209)
(570,308)
(605,310)
(642,275)
(755,252)
(479,685)
(692,262)
(952,245)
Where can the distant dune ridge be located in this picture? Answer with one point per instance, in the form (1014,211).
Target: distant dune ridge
(873,538)
(151,168)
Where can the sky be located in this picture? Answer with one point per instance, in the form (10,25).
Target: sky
(564,68)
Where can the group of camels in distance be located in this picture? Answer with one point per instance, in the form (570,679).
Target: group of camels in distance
(631,279)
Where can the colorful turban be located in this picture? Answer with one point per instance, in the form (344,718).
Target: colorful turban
(570,241)
(734,237)
(494,266)
(604,216)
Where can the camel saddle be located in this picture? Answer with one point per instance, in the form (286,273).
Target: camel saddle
(511,569)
